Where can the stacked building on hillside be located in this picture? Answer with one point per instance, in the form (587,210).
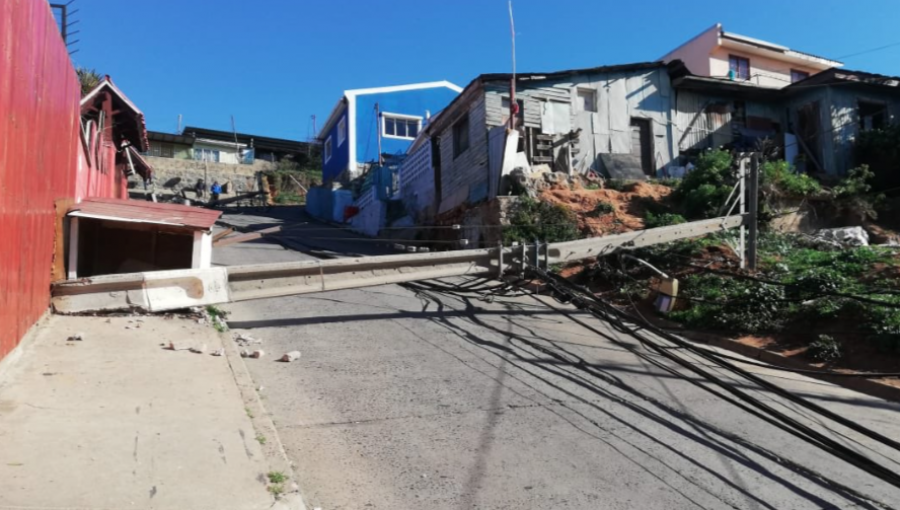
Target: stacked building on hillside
(634,121)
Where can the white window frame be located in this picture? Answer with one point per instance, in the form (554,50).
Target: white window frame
(342,131)
(580,102)
(327,149)
(399,116)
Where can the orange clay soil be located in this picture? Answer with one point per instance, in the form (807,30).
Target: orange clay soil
(629,206)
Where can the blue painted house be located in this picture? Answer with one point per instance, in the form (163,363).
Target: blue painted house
(350,136)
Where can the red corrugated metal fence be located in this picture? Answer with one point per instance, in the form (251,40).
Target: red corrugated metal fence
(39,133)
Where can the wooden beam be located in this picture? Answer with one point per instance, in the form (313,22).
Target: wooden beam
(250,236)
(223,233)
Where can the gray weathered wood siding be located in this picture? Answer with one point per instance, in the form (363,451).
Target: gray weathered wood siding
(839,121)
(644,94)
(465,178)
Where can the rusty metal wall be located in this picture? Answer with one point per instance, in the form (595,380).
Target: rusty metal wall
(39,133)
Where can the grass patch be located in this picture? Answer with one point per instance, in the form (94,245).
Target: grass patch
(217,318)
(249,412)
(532,220)
(261,439)
(276,477)
(601,209)
(662,220)
(592,186)
(276,489)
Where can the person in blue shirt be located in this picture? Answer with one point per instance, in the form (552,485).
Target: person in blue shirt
(215,190)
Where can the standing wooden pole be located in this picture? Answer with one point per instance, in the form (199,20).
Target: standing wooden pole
(754,211)
(513,105)
(742,208)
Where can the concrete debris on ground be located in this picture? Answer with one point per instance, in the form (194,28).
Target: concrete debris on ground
(123,416)
(77,337)
(245,340)
(258,354)
(839,238)
(198,350)
(291,356)
(218,352)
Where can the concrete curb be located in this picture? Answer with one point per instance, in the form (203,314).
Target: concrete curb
(867,386)
(262,422)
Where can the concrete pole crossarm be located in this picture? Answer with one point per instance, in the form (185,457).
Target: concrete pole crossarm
(572,251)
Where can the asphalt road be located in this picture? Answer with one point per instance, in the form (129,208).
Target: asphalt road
(408,397)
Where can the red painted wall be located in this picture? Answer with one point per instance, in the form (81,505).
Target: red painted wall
(39,138)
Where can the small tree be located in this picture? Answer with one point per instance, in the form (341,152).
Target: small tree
(89,79)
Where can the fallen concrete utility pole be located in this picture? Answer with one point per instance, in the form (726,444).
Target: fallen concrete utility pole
(168,290)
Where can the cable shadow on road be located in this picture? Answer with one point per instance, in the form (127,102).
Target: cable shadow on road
(724,444)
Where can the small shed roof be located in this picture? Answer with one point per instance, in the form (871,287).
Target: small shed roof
(137,211)
(130,119)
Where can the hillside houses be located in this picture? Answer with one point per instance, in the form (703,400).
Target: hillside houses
(631,121)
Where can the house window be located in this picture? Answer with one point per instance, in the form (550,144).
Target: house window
(342,131)
(798,75)
(871,115)
(162,150)
(587,100)
(461,136)
(401,126)
(211,155)
(739,67)
(327,149)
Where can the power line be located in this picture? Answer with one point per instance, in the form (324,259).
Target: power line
(872,50)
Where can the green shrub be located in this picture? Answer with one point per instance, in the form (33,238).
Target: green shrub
(662,220)
(602,208)
(592,186)
(619,184)
(532,219)
(779,175)
(703,191)
(744,306)
(825,349)
(853,193)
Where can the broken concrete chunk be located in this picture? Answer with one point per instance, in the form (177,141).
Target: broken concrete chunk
(245,340)
(245,353)
(845,237)
(77,337)
(218,352)
(199,350)
(258,354)
(291,356)
(177,347)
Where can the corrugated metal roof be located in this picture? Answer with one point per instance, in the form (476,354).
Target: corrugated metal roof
(136,211)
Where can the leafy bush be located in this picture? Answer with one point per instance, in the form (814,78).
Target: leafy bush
(730,304)
(879,149)
(531,219)
(825,348)
(602,208)
(592,186)
(619,184)
(703,191)
(779,176)
(662,220)
(853,193)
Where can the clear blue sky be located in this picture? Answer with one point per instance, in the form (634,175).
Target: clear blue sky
(274,63)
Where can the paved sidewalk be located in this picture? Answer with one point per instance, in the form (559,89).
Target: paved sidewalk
(115,421)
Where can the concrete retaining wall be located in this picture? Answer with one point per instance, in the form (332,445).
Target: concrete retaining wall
(176,173)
